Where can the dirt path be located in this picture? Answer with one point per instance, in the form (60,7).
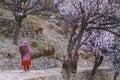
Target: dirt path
(35,74)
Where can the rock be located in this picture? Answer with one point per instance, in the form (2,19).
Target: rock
(52,17)
(56,29)
(36,53)
(34,44)
(1,13)
(48,50)
(6,27)
(87,56)
(39,50)
(8,51)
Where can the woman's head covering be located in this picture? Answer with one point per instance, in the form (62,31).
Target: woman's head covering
(27,55)
(25,43)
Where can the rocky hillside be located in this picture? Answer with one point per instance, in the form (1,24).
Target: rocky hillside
(42,36)
(45,34)
(47,40)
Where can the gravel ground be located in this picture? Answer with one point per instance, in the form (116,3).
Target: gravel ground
(103,73)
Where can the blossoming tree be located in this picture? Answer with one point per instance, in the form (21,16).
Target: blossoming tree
(94,25)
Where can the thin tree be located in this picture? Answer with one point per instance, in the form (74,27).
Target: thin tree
(89,19)
(20,9)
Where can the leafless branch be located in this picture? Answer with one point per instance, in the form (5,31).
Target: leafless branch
(97,17)
(36,3)
(89,34)
(98,28)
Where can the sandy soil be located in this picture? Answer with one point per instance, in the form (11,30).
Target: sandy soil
(48,74)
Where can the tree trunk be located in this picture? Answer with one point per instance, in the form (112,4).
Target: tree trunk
(97,63)
(69,67)
(68,73)
(115,76)
(66,70)
(75,58)
(17,31)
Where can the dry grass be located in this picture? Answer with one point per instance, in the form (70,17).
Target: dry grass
(6,14)
(33,19)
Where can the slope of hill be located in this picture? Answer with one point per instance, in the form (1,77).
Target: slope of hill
(41,34)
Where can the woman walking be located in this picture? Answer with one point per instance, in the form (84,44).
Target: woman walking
(26,61)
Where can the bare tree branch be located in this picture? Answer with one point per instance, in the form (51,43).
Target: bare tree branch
(36,3)
(89,34)
(99,28)
(97,17)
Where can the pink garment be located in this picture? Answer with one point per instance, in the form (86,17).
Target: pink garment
(27,55)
